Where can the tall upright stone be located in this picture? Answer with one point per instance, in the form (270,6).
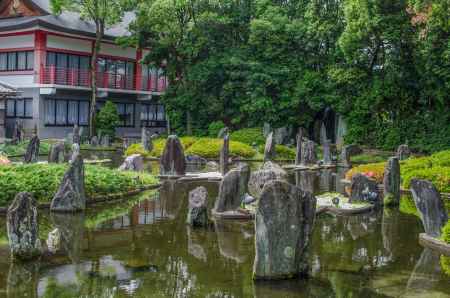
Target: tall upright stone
(323,134)
(298,151)
(147,142)
(309,156)
(71,196)
(198,207)
(284,224)
(326,146)
(232,189)
(76,137)
(106,141)
(430,206)
(57,153)
(347,152)
(173,162)
(225,154)
(403,152)
(269,171)
(18,133)
(391,182)
(22,227)
(269,149)
(32,153)
(94,141)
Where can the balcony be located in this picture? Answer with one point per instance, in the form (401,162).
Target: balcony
(81,78)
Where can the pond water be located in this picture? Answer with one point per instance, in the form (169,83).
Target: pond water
(141,247)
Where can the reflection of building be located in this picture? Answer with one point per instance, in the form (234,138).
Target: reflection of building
(6,92)
(48,57)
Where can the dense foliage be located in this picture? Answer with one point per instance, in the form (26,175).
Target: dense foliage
(108,119)
(21,148)
(43,180)
(383,65)
(446,233)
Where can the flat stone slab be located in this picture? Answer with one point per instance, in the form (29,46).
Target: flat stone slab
(208,176)
(306,168)
(325,204)
(242,214)
(434,243)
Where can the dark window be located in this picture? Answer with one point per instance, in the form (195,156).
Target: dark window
(19,108)
(116,74)
(69,69)
(14,61)
(153,115)
(149,78)
(126,114)
(63,112)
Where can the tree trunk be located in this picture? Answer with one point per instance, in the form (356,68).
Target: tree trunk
(96,49)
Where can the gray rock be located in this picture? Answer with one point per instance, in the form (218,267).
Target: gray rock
(282,135)
(57,153)
(222,133)
(326,152)
(125,143)
(403,152)
(70,228)
(146,139)
(22,227)
(298,151)
(94,141)
(363,189)
(391,182)
(76,137)
(232,189)
(307,180)
(198,207)
(32,153)
(172,160)
(23,280)
(267,129)
(284,224)
(268,172)
(106,141)
(196,160)
(212,166)
(18,132)
(71,196)
(347,152)
(224,155)
(323,134)
(134,162)
(309,156)
(269,148)
(430,206)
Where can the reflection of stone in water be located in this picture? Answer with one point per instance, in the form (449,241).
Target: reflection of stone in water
(293,288)
(194,247)
(71,228)
(171,197)
(54,241)
(426,272)
(359,225)
(230,239)
(340,175)
(306,180)
(326,181)
(390,230)
(23,280)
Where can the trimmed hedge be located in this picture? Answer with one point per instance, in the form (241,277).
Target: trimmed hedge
(439,176)
(43,180)
(375,169)
(249,136)
(21,148)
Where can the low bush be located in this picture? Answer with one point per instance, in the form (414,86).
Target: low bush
(108,119)
(158,147)
(441,159)
(136,149)
(439,176)
(374,170)
(43,180)
(210,148)
(446,233)
(249,136)
(366,158)
(214,128)
(21,148)
(284,152)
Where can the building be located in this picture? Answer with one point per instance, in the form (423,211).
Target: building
(47,58)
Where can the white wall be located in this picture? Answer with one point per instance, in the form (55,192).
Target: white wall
(18,80)
(113,50)
(70,44)
(20,41)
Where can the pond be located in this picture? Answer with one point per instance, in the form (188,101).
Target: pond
(141,247)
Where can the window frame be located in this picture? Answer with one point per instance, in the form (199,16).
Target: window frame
(29,60)
(155,120)
(125,104)
(67,103)
(25,100)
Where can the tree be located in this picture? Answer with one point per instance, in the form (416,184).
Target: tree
(108,119)
(104,14)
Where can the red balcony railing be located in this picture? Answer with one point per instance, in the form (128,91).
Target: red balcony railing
(153,83)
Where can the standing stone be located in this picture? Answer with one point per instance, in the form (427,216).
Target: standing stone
(281,135)
(347,152)
(106,141)
(430,206)
(233,189)
(76,138)
(222,132)
(57,153)
(391,182)
(307,180)
(268,172)
(134,162)
(267,129)
(363,189)
(326,152)
(198,207)
(284,224)
(18,133)
(225,155)
(32,154)
(71,196)
(23,228)
(211,166)
(147,142)
(298,152)
(172,160)
(309,156)
(94,141)
(403,152)
(269,149)
(323,134)
(125,143)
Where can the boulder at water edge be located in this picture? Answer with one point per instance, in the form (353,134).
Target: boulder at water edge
(284,223)
(71,196)
(364,189)
(430,206)
(232,189)
(134,162)
(32,153)
(198,207)
(172,162)
(391,182)
(23,228)
(57,153)
(268,172)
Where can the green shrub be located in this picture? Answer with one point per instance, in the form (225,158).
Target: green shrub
(108,119)
(158,147)
(43,180)
(439,176)
(446,233)
(214,128)
(412,164)
(375,169)
(366,158)
(408,206)
(249,136)
(210,148)
(21,148)
(136,149)
(284,152)
(441,158)
(445,264)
